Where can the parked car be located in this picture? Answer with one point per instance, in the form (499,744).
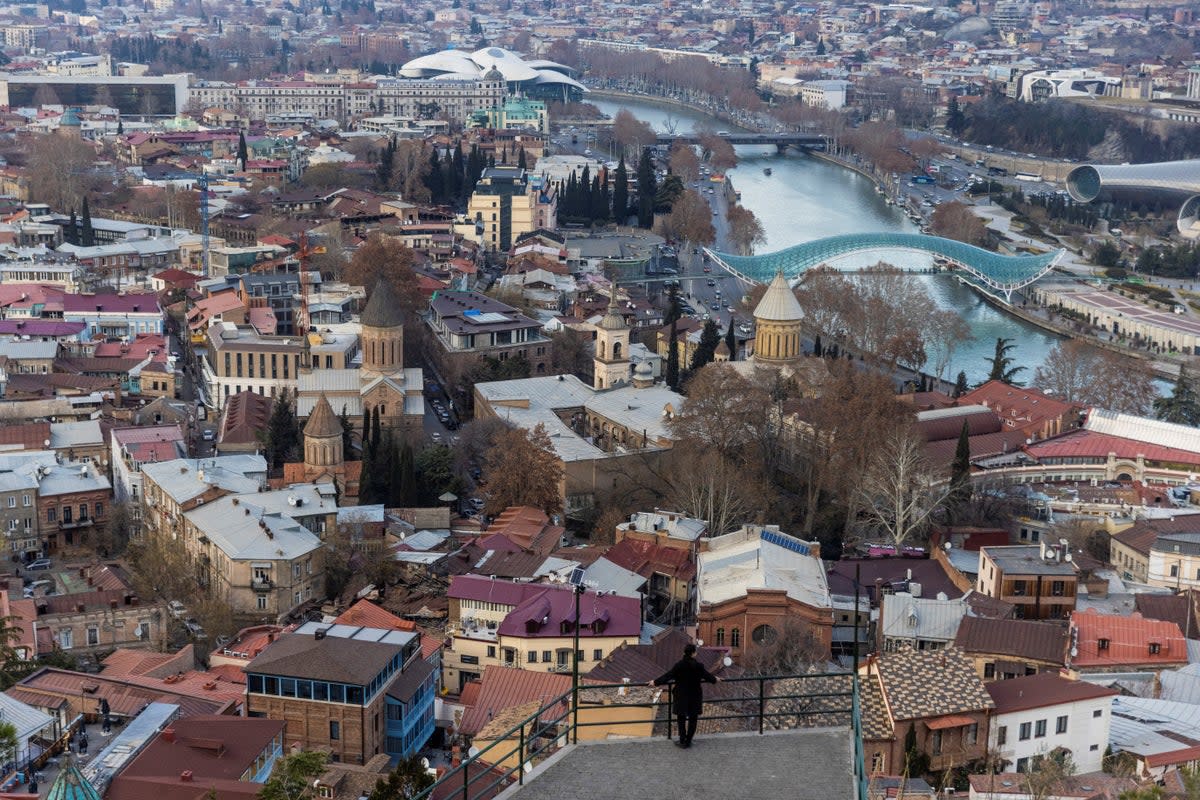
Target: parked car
(195,629)
(177,609)
(208,435)
(39,565)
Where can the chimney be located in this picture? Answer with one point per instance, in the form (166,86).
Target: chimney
(319,634)
(186,776)
(168,734)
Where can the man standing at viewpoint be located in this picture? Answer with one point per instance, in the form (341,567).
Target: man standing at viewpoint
(688,674)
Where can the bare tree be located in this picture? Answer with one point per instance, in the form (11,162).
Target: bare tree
(690,219)
(745,231)
(793,649)
(899,492)
(628,131)
(1082,373)
(60,170)
(522,469)
(707,485)
(684,162)
(955,220)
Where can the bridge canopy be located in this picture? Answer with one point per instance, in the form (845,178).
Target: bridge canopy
(1001,273)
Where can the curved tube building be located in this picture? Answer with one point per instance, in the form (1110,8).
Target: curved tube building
(1085,183)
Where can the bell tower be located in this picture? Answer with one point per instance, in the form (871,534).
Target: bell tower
(382,333)
(610,365)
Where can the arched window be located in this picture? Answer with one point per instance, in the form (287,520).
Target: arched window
(616,350)
(764,635)
(602,346)
(720,637)
(735,637)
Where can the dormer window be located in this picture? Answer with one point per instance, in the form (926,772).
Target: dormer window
(1102,644)
(565,627)
(1155,648)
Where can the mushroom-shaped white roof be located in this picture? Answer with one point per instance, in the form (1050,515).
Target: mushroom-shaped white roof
(779,304)
(546,76)
(509,63)
(541,63)
(441,61)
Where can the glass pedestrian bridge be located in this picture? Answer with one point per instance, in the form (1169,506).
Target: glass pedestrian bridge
(999,273)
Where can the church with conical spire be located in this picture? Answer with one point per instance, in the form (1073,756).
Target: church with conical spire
(382,382)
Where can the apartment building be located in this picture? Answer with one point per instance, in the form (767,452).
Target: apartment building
(1039,580)
(354,691)
(239,358)
(508,202)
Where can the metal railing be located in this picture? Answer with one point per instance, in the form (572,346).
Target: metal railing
(758,704)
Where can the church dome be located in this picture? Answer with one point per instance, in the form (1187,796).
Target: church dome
(643,370)
(613,321)
(493,74)
(383,309)
(322,422)
(779,304)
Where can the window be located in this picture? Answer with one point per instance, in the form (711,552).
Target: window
(66,515)
(1099,712)
(971,734)
(735,637)
(1026,730)
(877,763)
(93,636)
(597,654)
(1039,729)
(261,602)
(546,657)
(335,730)
(491,651)
(99,510)
(66,639)
(1094,748)
(1102,644)
(531,657)
(1022,765)
(989,670)
(1002,735)
(1057,588)
(12,501)
(935,742)
(25,500)
(1060,724)
(764,635)
(1155,647)
(720,637)
(466,659)
(1174,570)
(51,515)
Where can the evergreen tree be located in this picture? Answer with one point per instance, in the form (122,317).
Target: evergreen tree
(407,478)
(1002,363)
(120,128)
(347,434)
(960,385)
(433,178)
(386,481)
(72,232)
(820,47)
(598,207)
(960,468)
(956,121)
(817,346)
(383,172)
(376,434)
(731,341)
(672,373)
(491,161)
(521,162)
(458,169)
(647,188)
(88,234)
(243,153)
(710,337)
(674,311)
(1182,406)
(620,194)
(283,432)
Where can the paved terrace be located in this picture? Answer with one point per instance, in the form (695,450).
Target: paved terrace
(805,764)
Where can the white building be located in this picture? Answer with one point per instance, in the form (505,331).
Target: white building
(830,94)
(1044,84)
(1038,714)
(923,623)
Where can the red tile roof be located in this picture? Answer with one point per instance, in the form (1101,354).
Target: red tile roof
(504,687)
(1043,689)
(1019,407)
(368,615)
(1128,640)
(646,558)
(1089,444)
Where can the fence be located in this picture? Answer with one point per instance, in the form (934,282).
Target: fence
(757,704)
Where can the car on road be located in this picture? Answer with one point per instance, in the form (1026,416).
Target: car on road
(716,306)
(710,282)
(39,565)
(208,435)
(707,268)
(195,629)
(436,436)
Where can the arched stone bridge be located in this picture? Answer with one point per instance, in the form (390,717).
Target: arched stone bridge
(1000,273)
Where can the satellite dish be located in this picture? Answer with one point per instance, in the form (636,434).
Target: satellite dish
(728,661)
(473,751)
(699,643)
(424,763)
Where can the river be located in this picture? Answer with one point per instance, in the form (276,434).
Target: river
(806,198)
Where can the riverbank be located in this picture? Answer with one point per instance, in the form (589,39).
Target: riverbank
(669,102)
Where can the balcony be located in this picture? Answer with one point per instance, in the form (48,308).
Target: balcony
(261,584)
(814,751)
(67,525)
